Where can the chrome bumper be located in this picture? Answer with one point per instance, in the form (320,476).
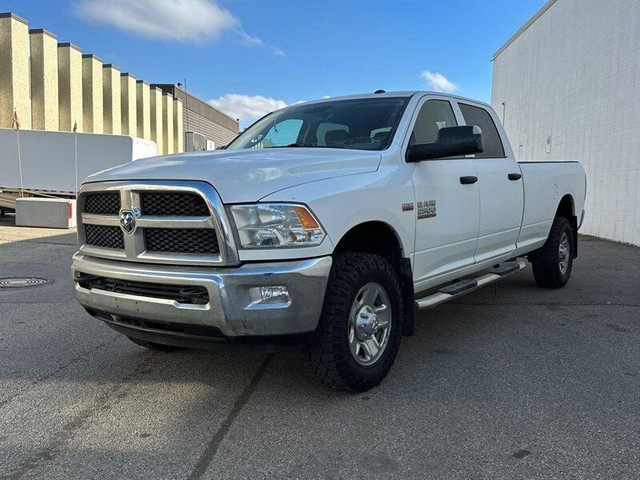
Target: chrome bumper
(232,306)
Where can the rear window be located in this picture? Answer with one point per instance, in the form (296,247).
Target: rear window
(479,116)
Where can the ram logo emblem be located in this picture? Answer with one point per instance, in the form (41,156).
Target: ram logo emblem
(127,221)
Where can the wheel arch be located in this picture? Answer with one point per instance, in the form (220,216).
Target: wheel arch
(380,238)
(567,208)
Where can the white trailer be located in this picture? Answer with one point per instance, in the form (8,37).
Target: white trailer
(48,160)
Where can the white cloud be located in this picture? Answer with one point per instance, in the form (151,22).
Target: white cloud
(439,82)
(278,51)
(186,21)
(247,108)
(253,41)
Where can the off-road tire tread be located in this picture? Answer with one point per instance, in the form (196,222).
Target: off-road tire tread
(325,355)
(544,261)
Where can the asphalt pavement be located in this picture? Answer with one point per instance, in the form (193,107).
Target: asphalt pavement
(511,381)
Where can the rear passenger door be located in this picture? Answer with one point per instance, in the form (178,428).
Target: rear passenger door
(446,209)
(500,185)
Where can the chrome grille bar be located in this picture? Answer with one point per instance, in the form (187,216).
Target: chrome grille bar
(151,222)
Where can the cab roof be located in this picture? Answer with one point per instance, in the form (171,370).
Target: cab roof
(399,94)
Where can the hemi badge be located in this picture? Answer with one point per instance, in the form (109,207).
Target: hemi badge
(407,207)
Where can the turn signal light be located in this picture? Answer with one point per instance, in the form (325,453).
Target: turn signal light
(305,217)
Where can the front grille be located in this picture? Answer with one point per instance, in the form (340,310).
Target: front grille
(175,224)
(107,203)
(191,294)
(173,203)
(104,236)
(199,241)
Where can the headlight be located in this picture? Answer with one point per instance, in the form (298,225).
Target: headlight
(272,225)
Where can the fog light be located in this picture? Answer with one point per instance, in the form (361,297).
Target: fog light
(274,295)
(269,297)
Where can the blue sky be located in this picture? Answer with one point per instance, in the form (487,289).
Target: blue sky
(250,57)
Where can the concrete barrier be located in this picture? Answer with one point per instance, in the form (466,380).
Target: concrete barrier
(46,212)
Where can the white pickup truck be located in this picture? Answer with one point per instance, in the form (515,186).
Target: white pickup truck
(325,225)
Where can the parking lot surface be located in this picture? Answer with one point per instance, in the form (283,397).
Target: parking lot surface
(511,381)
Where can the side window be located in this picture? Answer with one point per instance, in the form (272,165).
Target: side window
(280,135)
(490,136)
(434,115)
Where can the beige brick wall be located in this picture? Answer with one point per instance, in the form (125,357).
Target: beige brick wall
(111,99)
(70,86)
(44,80)
(93,113)
(128,105)
(167,123)
(143,109)
(14,71)
(178,131)
(156,119)
(52,86)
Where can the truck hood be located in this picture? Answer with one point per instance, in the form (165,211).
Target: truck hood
(247,175)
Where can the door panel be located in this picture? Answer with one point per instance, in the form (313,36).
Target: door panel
(448,240)
(501,197)
(447,212)
(501,202)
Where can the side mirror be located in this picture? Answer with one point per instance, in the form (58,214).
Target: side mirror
(451,142)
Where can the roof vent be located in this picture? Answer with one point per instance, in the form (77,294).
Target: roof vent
(380,91)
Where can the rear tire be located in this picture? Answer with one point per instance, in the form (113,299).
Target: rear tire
(552,263)
(358,335)
(152,345)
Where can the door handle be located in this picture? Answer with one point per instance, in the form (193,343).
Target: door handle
(515,176)
(468,180)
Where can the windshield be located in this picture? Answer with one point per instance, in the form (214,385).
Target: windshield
(362,124)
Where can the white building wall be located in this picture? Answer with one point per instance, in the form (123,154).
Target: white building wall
(570,84)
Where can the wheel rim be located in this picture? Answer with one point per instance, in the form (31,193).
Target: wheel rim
(369,324)
(564,253)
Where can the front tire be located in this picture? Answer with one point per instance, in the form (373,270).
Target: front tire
(359,331)
(552,263)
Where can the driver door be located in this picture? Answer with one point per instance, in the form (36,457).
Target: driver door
(447,210)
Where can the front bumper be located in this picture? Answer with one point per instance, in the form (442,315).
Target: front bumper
(231,308)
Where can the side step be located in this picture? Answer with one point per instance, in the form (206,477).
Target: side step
(462,287)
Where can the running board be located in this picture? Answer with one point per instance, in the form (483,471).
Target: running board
(463,287)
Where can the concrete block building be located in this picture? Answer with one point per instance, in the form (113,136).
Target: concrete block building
(44,80)
(92,101)
(111,99)
(70,87)
(567,86)
(14,70)
(156,118)
(201,118)
(129,105)
(143,109)
(54,86)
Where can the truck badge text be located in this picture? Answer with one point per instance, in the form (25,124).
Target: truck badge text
(426,209)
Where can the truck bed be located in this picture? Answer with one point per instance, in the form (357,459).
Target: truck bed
(542,183)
